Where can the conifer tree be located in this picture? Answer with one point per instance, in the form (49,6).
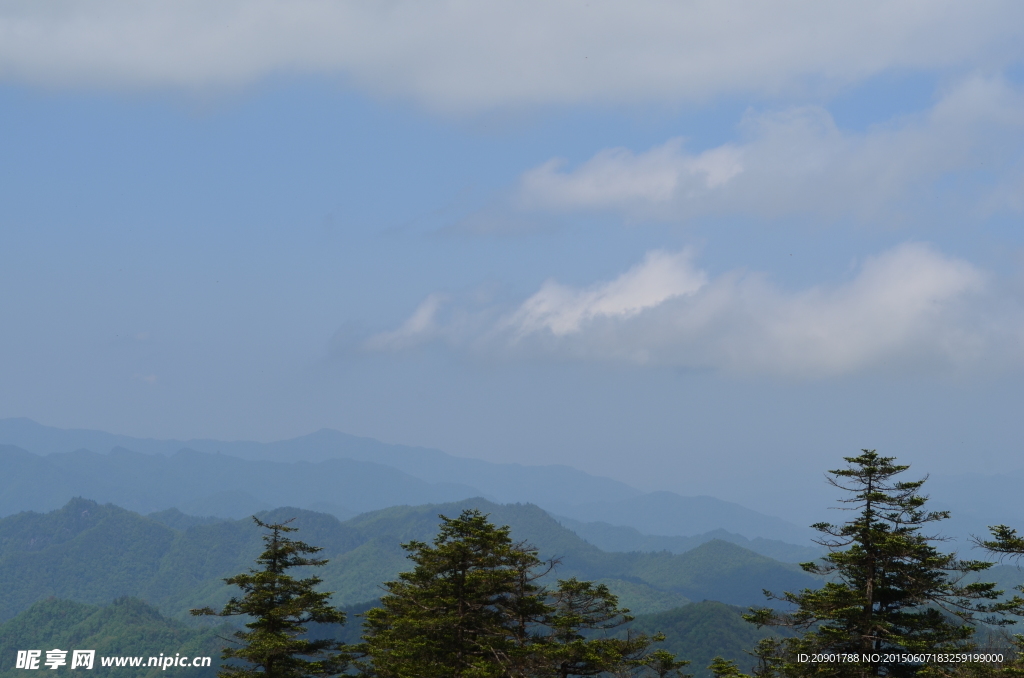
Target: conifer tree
(281,607)
(581,608)
(472,607)
(466,610)
(725,668)
(888,590)
(1005,542)
(664,664)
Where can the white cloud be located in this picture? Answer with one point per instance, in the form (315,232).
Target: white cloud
(616,178)
(907,308)
(798,162)
(562,310)
(421,324)
(465,55)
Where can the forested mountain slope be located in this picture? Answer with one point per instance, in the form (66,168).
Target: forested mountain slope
(701,631)
(95,553)
(126,627)
(715,570)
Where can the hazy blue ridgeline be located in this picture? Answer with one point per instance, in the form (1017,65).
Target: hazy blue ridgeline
(349,475)
(621,538)
(428,475)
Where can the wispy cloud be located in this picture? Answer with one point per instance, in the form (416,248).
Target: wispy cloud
(563,311)
(618,179)
(457,55)
(421,324)
(798,162)
(909,307)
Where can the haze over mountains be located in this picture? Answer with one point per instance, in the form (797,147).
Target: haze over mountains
(345,475)
(330,471)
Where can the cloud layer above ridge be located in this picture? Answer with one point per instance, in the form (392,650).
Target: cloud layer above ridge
(466,56)
(905,308)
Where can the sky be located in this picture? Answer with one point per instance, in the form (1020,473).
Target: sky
(701,246)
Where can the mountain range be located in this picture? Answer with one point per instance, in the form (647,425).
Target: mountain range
(620,538)
(370,474)
(94,553)
(43,467)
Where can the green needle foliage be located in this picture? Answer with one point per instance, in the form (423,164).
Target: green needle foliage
(889,589)
(281,607)
(473,607)
(581,608)
(464,611)
(1005,542)
(663,664)
(725,668)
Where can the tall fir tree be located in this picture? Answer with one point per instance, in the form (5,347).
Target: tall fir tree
(281,608)
(888,589)
(465,610)
(472,607)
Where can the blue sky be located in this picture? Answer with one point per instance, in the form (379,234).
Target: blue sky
(696,246)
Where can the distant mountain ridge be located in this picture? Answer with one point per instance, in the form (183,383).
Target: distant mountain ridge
(621,538)
(207,484)
(430,476)
(503,482)
(660,513)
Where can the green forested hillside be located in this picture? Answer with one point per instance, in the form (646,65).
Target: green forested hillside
(715,570)
(95,553)
(125,627)
(701,631)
